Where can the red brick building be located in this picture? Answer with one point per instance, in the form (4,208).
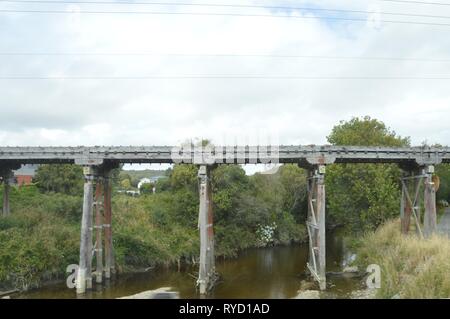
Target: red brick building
(25,174)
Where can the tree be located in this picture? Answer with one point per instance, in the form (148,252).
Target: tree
(229,182)
(146,188)
(184,176)
(293,181)
(443,171)
(363,196)
(125,183)
(125,177)
(365,131)
(60,178)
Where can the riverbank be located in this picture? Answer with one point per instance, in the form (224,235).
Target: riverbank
(269,272)
(41,237)
(410,267)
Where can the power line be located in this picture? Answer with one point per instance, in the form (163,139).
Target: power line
(225,77)
(228,6)
(221,14)
(419,2)
(274,56)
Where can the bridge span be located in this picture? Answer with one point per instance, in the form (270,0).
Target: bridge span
(417,163)
(97,155)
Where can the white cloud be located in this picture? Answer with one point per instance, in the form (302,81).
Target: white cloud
(74,112)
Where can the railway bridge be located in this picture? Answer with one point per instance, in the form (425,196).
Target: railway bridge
(417,163)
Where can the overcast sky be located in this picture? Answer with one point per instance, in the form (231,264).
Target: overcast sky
(169,111)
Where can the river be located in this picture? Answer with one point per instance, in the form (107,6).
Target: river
(272,272)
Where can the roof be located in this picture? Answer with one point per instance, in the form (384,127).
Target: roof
(26,169)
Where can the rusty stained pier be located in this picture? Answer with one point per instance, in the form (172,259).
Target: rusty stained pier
(418,191)
(98,203)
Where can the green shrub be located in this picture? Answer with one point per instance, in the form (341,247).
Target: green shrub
(37,250)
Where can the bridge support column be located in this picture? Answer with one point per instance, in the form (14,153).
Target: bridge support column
(429,219)
(99,208)
(411,201)
(109,254)
(84,277)
(316,225)
(206,276)
(6,189)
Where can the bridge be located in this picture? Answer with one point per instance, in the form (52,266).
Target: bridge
(417,163)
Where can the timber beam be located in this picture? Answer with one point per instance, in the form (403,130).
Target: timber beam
(316,224)
(6,175)
(429,218)
(107,225)
(84,275)
(98,178)
(207,270)
(98,227)
(418,201)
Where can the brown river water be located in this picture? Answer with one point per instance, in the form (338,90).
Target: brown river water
(272,272)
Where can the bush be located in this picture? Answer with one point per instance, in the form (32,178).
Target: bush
(146,188)
(67,206)
(442,203)
(146,235)
(410,267)
(363,196)
(230,240)
(288,230)
(36,250)
(61,178)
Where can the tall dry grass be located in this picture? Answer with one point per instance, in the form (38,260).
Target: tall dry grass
(410,267)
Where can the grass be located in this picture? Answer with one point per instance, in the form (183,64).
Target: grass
(140,241)
(41,236)
(410,267)
(35,247)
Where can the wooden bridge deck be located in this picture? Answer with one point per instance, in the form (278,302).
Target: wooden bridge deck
(312,154)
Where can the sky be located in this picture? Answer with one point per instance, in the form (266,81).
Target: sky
(105,110)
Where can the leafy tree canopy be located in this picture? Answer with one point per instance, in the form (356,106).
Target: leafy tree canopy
(61,178)
(365,131)
(363,196)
